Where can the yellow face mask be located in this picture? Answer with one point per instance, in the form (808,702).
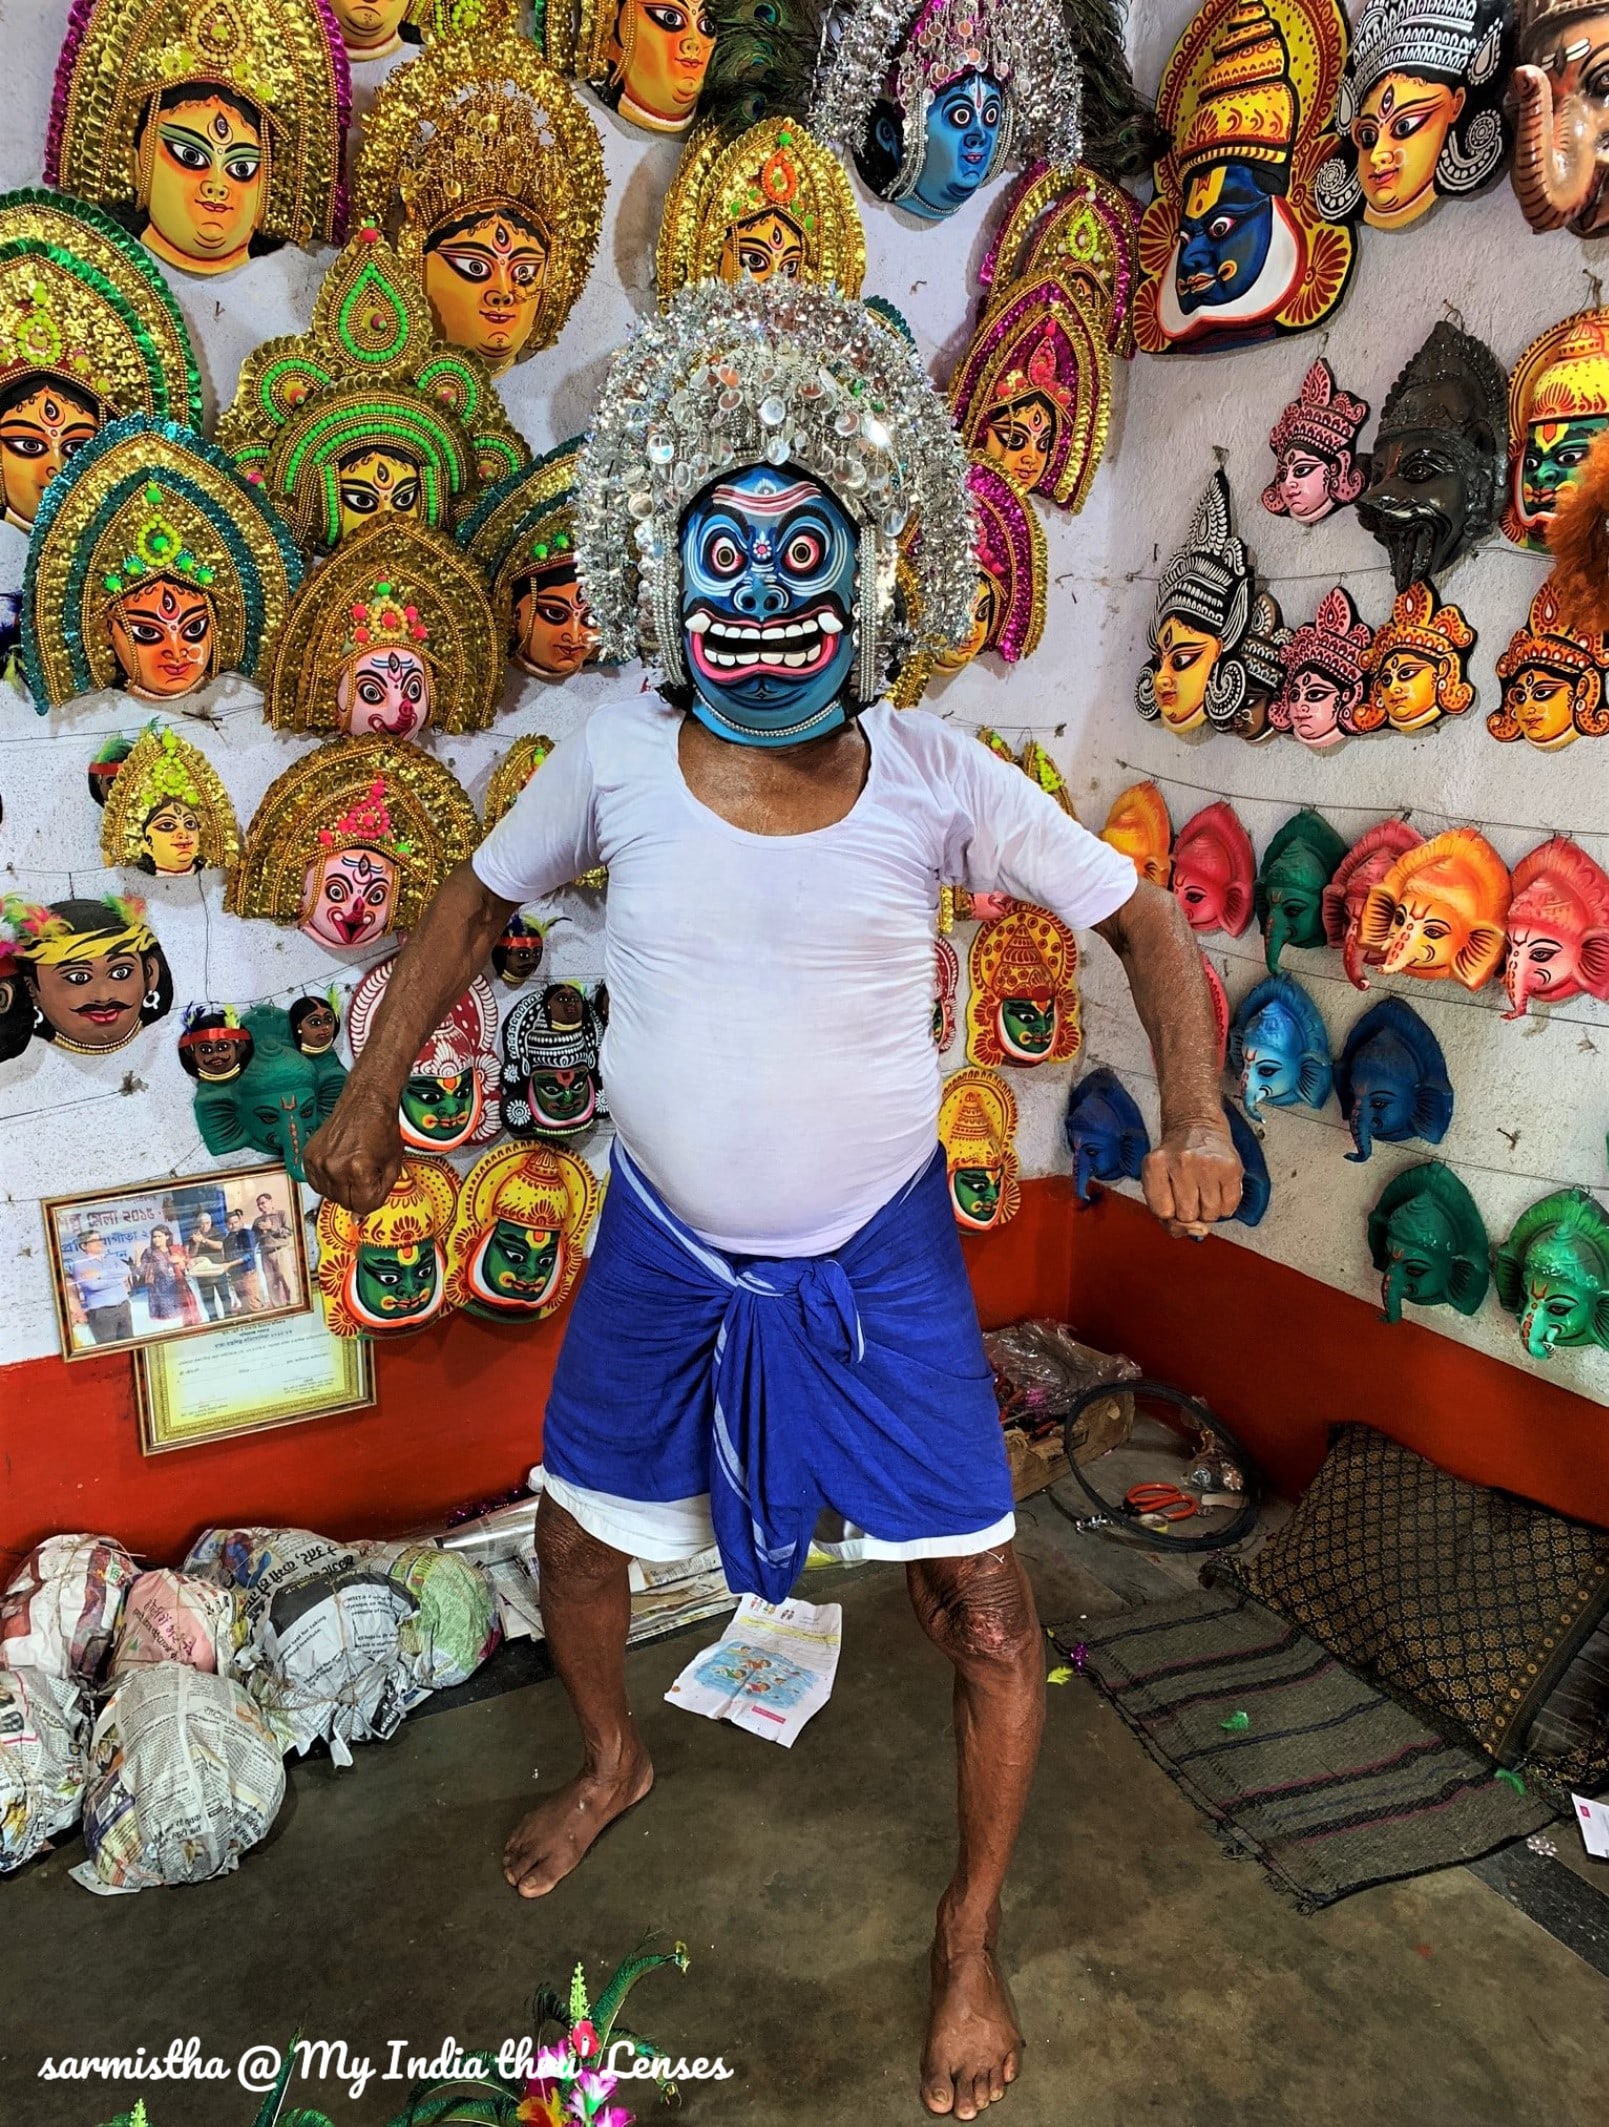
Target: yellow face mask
(1184,663)
(1399,134)
(1543,705)
(370,29)
(484,276)
(373,482)
(204,180)
(163,635)
(765,247)
(662,53)
(41,429)
(1405,688)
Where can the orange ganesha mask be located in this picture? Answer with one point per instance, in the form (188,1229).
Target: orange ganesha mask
(1364,865)
(1440,910)
(1139,827)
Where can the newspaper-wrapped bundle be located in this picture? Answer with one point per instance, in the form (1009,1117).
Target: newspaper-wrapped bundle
(61,1609)
(184,1777)
(326,1658)
(42,1727)
(174,1617)
(454,1628)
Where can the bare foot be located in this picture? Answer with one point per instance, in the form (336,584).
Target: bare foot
(974,2048)
(544,1846)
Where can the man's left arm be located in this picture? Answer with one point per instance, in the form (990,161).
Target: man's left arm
(1193,1176)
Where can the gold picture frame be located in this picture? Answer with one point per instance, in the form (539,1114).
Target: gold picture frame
(249,1380)
(117,1290)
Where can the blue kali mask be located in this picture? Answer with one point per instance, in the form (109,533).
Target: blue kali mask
(1224,234)
(963,133)
(768,599)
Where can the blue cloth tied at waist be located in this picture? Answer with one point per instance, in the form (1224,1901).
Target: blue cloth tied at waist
(781,1385)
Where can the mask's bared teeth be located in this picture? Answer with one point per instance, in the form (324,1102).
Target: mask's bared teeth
(829,623)
(698,623)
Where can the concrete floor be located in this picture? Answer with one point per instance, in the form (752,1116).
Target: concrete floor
(1155,1978)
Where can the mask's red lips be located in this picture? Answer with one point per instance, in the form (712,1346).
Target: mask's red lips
(102,1015)
(726,650)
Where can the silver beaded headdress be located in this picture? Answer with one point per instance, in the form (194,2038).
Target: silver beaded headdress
(923,45)
(771,373)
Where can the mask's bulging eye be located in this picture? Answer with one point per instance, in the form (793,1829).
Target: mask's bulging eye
(723,556)
(804,552)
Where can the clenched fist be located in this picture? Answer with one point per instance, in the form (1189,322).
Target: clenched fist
(1192,1178)
(357,1155)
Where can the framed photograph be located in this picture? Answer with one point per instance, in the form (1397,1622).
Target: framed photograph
(248,1379)
(162,1260)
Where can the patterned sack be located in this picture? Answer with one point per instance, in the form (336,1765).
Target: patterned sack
(184,1777)
(174,1617)
(42,1728)
(1466,1600)
(61,1609)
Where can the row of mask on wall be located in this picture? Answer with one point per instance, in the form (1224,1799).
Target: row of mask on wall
(1440,907)
(1425,1232)
(1434,487)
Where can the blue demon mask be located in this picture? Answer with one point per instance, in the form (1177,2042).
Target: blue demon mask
(768,599)
(1224,236)
(963,132)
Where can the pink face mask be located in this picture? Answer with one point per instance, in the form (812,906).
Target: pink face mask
(1214,870)
(1364,865)
(384,693)
(1558,928)
(349,899)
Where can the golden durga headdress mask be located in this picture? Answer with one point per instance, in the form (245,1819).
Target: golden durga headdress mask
(369,374)
(165,770)
(83,305)
(348,794)
(283,58)
(148,504)
(483,123)
(776,168)
(771,373)
(399,585)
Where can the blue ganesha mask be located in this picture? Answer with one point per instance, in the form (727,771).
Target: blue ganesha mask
(768,598)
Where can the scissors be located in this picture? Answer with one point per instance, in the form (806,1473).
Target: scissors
(1159,1504)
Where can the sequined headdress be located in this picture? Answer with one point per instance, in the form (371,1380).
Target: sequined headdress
(782,374)
(915,48)
(1041,337)
(1011,547)
(147,501)
(482,120)
(354,794)
(1079,226)
(776,166)
(160,767)
(285,57)
(82,304)
(527,522)
(398,584)
(369,372)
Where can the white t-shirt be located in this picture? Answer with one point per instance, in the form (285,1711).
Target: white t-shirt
(769,1058)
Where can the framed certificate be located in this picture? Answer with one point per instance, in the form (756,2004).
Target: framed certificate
(247,1380)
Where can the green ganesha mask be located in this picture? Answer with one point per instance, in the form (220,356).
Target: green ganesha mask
(278,1101)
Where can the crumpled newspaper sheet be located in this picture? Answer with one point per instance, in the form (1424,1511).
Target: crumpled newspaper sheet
(325,1658)
(184,1777)
(174,1617)
(770,1670)
(43,1725)
(454,1626)
(61,1608)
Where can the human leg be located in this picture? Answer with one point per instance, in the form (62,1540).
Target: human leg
(586,1610)
(979,1611)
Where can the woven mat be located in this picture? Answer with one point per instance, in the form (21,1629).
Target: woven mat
(1330,1785)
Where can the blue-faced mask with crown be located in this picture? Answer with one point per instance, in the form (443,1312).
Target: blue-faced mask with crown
(768,599)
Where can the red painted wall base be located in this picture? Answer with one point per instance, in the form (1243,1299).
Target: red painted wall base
(460,1411)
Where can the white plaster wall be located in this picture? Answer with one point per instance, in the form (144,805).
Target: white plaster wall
(1532,1096)
(67,1123)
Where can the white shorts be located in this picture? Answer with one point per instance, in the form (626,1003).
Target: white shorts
(661,1530)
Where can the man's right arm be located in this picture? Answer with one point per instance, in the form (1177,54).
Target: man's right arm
(357,1155)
